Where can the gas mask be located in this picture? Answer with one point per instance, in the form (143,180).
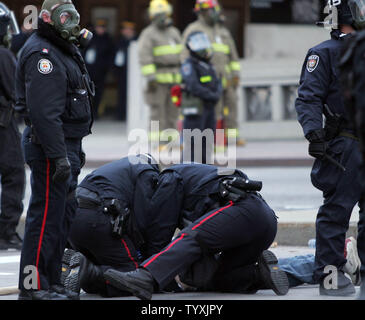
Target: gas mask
(199,45)
(163,21)
(66,21)
(357,8)
(211,16)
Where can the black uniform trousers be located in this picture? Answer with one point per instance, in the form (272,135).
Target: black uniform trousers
(91,234)
(341,192)
(241,231)
(204,121)
(12,174)
(50,214)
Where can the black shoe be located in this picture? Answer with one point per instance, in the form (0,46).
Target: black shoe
(270,275)
(70,260)
(91,278)
(41,295)
(11,242)
(345,287)
(71,265)
(59,289)
(139,282)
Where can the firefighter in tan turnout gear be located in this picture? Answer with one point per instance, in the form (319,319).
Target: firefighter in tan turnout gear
(160,47)
(225,60)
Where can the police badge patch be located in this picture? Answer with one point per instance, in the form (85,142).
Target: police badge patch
(45,66)
(312,63)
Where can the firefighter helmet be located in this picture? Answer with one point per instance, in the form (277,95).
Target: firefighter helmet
(206,4)
(158,7)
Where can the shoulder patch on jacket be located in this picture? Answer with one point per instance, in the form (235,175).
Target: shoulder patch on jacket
(186,69)
(312,63)
(45,66)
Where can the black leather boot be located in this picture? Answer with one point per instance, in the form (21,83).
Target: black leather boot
(91,278)
(269,274)
(139,282)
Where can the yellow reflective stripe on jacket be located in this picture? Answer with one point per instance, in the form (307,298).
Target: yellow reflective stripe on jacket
(166,50)
(168,78)
(205,79)
(220,47)
(148,69)
(178,78)
(235,66)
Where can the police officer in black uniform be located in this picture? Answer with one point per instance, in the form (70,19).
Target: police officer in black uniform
(335,147)
(202,91)
(352,66)
(11,157)
(53,89)
(219,214)
(118,224)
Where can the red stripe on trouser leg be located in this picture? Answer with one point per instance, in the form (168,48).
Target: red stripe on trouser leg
(184,234)
(168,248)
(212,215)
(129,253)
(43,224)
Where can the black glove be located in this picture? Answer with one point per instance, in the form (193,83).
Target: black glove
(63,170)
(317,144)
(318,150)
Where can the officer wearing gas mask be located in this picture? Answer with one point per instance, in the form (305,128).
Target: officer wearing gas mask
(202,91)
(334,145)
(53,90)
(11,157)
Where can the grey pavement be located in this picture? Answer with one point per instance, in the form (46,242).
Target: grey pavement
(9,262)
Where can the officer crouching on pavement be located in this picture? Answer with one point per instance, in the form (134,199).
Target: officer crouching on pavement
(118,223)
(201,92)
(12,170)
(219,215)
(53,89)
(335,146)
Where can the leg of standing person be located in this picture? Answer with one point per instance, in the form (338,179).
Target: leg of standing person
(12,173)
(341,192)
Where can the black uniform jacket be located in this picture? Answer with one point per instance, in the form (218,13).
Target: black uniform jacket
(52,89)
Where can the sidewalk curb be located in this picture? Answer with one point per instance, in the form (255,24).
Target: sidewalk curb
(6,291)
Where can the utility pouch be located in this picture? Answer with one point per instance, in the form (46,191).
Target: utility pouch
(190,105)
(236,188)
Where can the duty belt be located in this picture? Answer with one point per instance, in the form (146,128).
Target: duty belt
(348,135)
